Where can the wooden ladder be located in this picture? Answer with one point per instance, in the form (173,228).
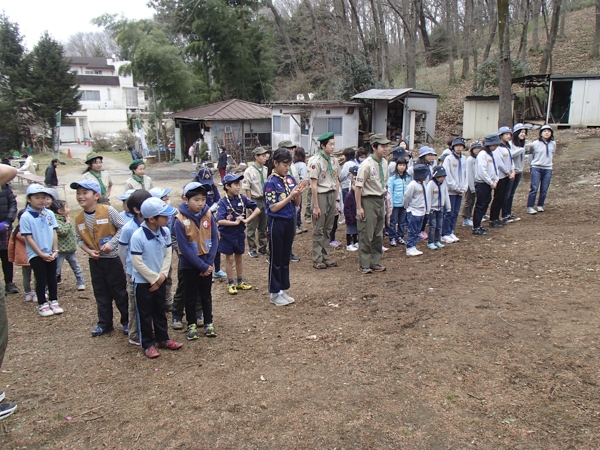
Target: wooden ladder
(230,144)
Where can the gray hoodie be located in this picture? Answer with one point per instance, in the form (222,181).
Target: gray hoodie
(415,200)
(456,173)
(518,154)
(541,154)
(504,161)
(486,172)
(438,196)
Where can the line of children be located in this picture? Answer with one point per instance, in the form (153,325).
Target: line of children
(439,204)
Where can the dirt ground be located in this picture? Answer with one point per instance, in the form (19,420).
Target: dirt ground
(492,342)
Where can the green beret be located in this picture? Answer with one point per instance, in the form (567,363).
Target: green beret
(326,136)
(92,156)
(260,151)
(286,144)
(135,164)
(379,139)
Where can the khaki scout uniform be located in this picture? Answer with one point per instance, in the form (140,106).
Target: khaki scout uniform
(254,181)
(370,229)
(318,169)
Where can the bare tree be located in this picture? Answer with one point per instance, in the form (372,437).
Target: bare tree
(504,68)
(547,55)
(535,19)
(596,45)
(91,44)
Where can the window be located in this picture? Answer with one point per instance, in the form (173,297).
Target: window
(93,72)
(277,124)
(334,125)
(131,97)
(93,96)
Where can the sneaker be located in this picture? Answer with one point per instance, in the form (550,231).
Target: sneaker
(243,286)
(413,252)
(351,248)
(307,220)
(334,244)
(99,331)
(151,352)
(467,223)
(263,251)
(479,231)
(453,236)
(384,249)
(232,289)
(192,332)
(439,245)
(393,243)
(29,296)
(447,239)
(423,235)
(508,219)
(169,344)
(531,211)
(2,395)
(278,300)
(302,229)
(496,224)
(253,254)
(45,310)
(11,288)
(287,298)
(219,275)
(177,324)
(294,258)
(6,409)
(365,270)
(515,218)
(401,241)
(126,330)
(200,321)
(341,222)
(432,246)
(377,268)
(135,341)
(539,208)
(485,218)
(209,330)
(81,287)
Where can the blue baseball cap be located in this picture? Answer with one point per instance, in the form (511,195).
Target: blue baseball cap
(35,188)
(425,150)
(126,195)
(87,184)
(205,175)
(193,185)
(153,207)
(160,193)
(230,178)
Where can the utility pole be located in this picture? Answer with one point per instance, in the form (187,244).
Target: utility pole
(153,86)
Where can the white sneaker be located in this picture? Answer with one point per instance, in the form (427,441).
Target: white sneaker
(447,239)
(413,252)
(540,209)
(29,296)
(453,236)
(356,246)
(45,310)
(287,298)
(278,300)
(531,211)
(55,307)
(351,248)
(81,287)
(384,249)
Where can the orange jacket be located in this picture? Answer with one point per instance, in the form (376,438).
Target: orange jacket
(17,253)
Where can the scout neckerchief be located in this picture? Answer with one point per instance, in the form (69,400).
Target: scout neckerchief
(262,177)
(285,185)
(139,180)
(547,144)
(439,185)
(328,159)
(98,177)
(381,179)
(424,194)
(507,147)
(493,160)
(233,209)
(459,157)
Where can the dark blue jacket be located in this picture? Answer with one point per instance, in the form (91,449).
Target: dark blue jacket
(188,259)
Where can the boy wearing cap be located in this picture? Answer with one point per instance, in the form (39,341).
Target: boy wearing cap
(370,189)
(253,185)
(126,214)
(151,252)
(98,230)
(38,227)
(197,242)
(439,201)
(455,166)
(323,171)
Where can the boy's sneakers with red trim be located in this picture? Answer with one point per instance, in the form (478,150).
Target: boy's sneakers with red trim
(151,352)
(170,344)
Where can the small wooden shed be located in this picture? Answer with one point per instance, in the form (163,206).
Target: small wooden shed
(481,114)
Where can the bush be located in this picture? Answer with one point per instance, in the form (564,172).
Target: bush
(487,73)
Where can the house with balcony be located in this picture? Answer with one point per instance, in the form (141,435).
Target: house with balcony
(107,99)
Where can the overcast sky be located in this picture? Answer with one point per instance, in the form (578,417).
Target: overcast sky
(62,18)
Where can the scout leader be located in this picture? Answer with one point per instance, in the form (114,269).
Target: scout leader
(370,188)
(254,183)
(323,172)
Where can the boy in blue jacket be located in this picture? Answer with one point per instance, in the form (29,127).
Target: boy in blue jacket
(197,244)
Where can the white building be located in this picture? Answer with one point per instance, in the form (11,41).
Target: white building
(106,99)
(303,121)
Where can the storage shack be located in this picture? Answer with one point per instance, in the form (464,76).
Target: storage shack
(481,115)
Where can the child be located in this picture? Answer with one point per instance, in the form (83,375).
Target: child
(8,212)
(415,203)
(350,213)
(282,195)
(506,173)
(301,170)
(253,183)
(439,201)
(455,165)
(126,214)
(151,251)
(427,156)
(470,192)
(232,223)
(67,242)
(197,243)
(138,178)
(540,156)
(134,204)
(517,150)
(38,227)
(486,180)
(98,229)
(397,184)
(17,254)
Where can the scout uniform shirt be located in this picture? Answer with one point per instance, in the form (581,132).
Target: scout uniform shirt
(254,180)
(324,171)
(278,188)
(372,177)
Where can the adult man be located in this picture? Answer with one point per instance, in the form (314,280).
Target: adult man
(370,187)
(51,179)
(323,171)
(253,183)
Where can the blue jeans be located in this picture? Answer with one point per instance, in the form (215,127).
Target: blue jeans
(540,179)
(414,224)
(450,217)
(72,260)
(510,195)
(397,223)
(436,218)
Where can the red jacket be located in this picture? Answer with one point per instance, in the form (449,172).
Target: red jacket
(17,253)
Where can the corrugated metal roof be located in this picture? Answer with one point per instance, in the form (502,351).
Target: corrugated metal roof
(233,109)
(382,94)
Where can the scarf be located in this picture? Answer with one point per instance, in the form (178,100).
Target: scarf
(98,177)
(459,158)
(139,180)
(439,185)
(424,195)
(328,159)
(260,172)
(284,182)
(381,175)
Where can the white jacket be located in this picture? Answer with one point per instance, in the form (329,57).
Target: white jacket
(456,173)
(486,172)
(415,200)
(437,196)
(504,161)
(471,169)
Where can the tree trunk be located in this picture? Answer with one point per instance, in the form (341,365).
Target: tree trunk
(411,48)
(563,19)
(596,45)
(504,69)
(378,41)
(523,41)
(535,18)
(322,46)
(467,33)
(360,30)
(450,39)
(551,38)
(492,35)
(386,47)
(418,5)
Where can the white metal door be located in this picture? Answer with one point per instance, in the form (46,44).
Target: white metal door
(577,102)
(591,104)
